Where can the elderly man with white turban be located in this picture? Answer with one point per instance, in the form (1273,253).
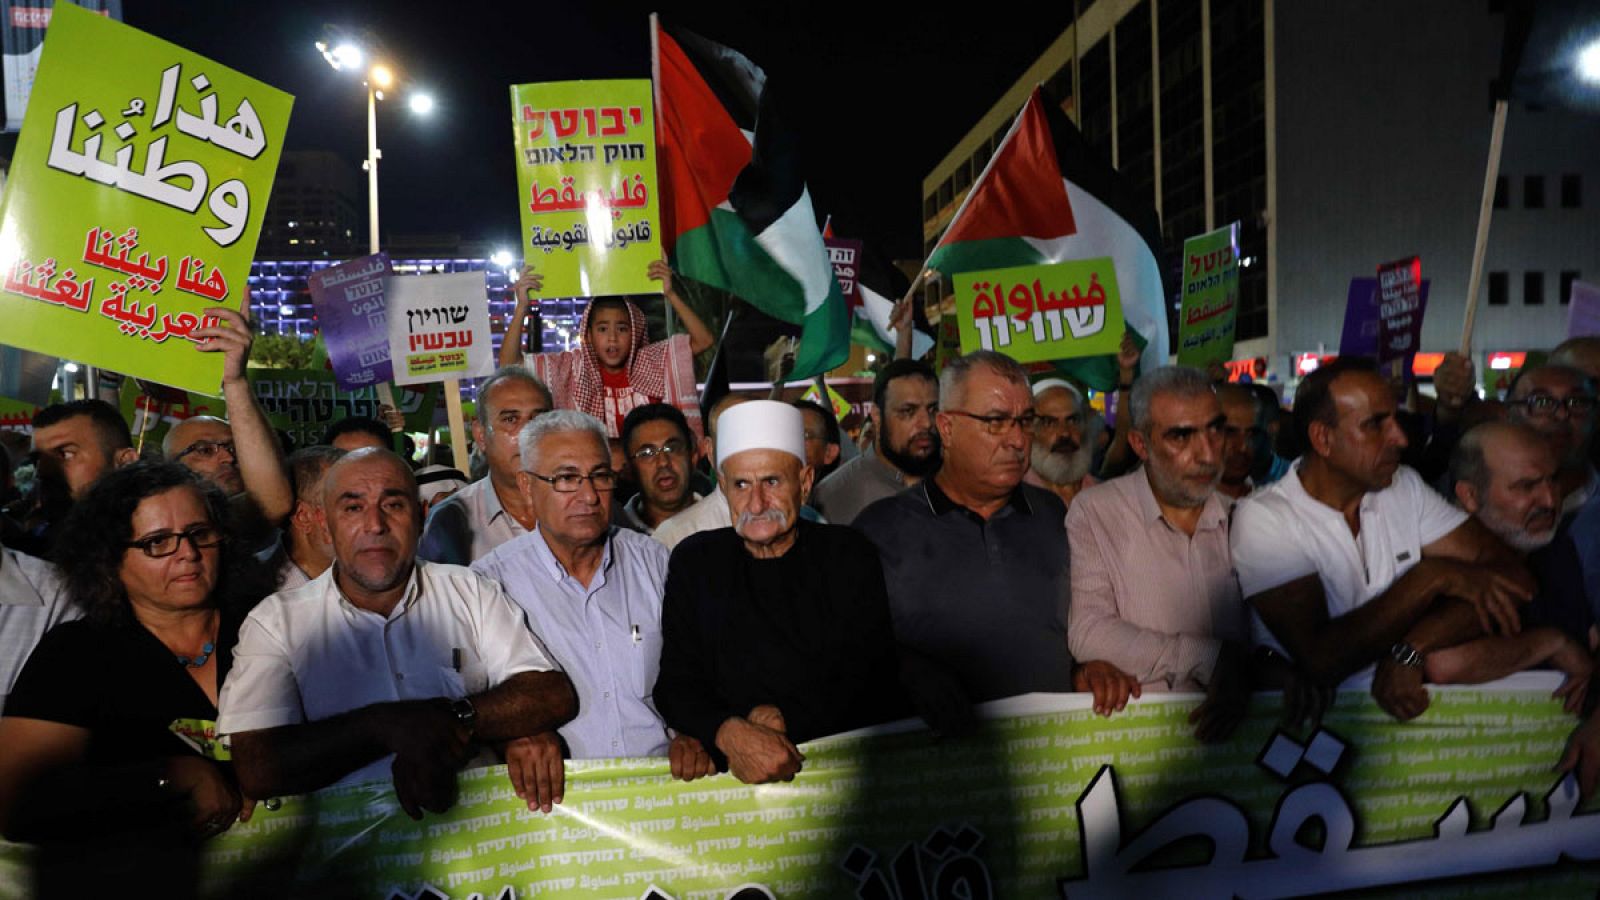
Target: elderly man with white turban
(775,631)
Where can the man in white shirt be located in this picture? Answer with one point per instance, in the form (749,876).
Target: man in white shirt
(383,664)
(1351,560)
(711,511)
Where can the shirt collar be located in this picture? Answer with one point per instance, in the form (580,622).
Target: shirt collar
(874,457)
(412,593)
(552,566)
(490,501)
(15,588)
(940,503)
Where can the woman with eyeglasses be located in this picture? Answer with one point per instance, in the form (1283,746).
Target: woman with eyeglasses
(110,745)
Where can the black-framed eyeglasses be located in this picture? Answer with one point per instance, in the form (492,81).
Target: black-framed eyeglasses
(666,451)
(206,450)
(572,482)
(1544,404)
(1050,423)
(998,425)
(166,543)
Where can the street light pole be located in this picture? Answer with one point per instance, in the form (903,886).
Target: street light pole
(372,166)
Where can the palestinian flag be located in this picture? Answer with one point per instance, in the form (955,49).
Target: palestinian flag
(872,286)
(1046,197)
(734,207)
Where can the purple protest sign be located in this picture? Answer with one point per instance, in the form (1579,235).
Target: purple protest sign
(1400,309)
(845,255)
(1583,315)
(351,313)
(1360,334)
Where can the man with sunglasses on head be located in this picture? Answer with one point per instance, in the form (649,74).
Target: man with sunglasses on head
(490,511)
(592,592)
(241,455)
(976,560)
(659,449)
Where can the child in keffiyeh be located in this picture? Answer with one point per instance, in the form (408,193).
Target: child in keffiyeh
(613,369)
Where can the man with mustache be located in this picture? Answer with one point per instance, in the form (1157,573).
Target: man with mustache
(775,631)
(1154,602)
(1240,437)
(659,450)
(976,561)
(1061,457)
(1353,565)
(905,400)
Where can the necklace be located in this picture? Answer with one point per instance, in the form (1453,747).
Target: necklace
(199,659)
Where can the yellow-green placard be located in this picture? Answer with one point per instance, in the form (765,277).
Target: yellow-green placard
(134,201)
(1041,313)
(586,185)
(1210,297)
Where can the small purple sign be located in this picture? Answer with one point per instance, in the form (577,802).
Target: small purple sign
(1363,315)
(1583,316)
(351,312)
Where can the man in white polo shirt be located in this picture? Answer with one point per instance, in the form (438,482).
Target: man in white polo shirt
(383,664)
(1352,564)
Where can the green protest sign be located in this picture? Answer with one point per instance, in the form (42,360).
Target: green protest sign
(1210,297)
(133,204)
(586,183)
(1047,799)
(1041,313)
(300,402)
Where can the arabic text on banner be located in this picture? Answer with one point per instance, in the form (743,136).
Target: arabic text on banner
(586,185)
(1210,297)
(134,201)
(438,327)
(350,307)
(1041,313)
(1047,798)
(1400,309)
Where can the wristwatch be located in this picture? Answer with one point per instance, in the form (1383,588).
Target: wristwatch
(1405,654)
(464,713)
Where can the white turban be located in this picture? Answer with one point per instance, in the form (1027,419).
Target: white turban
(761,425)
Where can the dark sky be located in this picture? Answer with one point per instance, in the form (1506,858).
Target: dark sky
(881,98)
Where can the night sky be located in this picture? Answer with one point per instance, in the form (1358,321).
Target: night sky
(883,99)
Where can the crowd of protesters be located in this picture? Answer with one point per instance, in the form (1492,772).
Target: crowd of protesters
(218,623)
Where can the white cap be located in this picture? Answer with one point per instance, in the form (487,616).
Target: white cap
(1046,384)
(761,425)
(435,480)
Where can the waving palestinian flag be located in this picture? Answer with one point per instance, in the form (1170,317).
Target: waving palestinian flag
(735,211)
(1046,197)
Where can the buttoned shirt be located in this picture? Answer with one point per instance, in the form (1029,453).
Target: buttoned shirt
(310,654)
(710,513)
(855,486)
(467,525)
(1281,533)
(986,599)
(605,635)
(31,602)
(1146,597)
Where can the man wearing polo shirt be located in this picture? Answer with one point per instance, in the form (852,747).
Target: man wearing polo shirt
(975,560)
(383,665)
(1352,564)
(490,511)
(592,592)
(1154,602)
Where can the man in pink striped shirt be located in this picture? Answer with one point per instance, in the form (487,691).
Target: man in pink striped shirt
(1155,605)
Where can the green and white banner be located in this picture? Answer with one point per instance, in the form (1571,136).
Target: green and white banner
(1048,800)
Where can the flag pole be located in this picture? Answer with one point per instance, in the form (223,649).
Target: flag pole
(1480,245)
(458,425)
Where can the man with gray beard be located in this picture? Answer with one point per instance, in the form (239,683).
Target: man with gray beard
(1061,457)
(1154,602)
